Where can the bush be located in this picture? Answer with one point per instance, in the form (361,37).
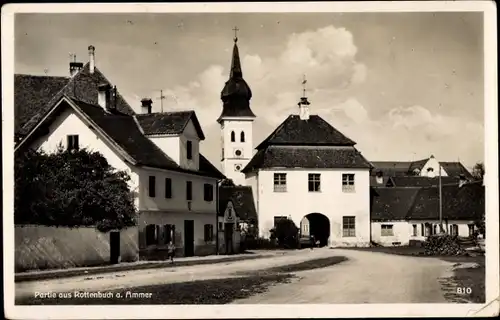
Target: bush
(252,243)
(286,233)
(71,189)
(445,245)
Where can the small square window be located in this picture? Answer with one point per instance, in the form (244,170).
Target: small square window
(387,230)
(72,142)
(280,182)
(348,182)
(314,182)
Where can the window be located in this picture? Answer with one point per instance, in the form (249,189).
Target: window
(314,182)
(208,192)
(422,230)
(348,226)
(233,136)
(189,146)
(435,229)
(387,230)
(152,231)
(169,233)
(237,167)
(428,230)
(189,190)
(415,231)
(208,232)
(471,230)
(72,142)
(280,182)
(152,186)
(168,188)
(221,226)
(348,182)
(454,230)
(242,136)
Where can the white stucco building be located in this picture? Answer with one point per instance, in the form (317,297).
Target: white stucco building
(174,185)
(402,214)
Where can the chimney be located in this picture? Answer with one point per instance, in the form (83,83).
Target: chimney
(304,108)
(379,178)
(74,67)
(462,181)
(91,58)
(146,106)
(104,96)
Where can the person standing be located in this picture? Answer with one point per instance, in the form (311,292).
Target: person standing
(171,251)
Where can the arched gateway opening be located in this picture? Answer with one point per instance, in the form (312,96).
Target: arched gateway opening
(317,225)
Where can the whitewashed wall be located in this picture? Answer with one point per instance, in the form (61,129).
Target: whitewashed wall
(331,201)
(230,160)
(161,218)
(175,146)
(178,201)
(70,123)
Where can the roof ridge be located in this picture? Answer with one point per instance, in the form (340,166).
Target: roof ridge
(40,76)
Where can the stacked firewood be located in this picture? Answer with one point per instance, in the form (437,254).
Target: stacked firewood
(444,245)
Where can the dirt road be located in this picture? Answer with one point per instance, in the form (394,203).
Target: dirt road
(367,277)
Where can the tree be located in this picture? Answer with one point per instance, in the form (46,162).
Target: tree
(478,171)
(286,232)
(71,189)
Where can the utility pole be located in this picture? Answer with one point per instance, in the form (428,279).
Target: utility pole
(161,98)
(440,201)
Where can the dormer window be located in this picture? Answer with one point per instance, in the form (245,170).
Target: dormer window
(189,147)
(72,142)
(242,136)
(233,136)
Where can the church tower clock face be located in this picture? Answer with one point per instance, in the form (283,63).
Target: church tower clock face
(237,152)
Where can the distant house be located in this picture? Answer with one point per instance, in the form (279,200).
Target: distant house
(405,172)
(400,214)
(174,185)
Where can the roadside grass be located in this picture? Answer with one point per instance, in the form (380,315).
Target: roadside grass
(301,266)
(463,278)
(97,270)
(217,291)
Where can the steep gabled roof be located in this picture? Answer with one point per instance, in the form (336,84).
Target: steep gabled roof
(419,164)
(392,203)
(83,87)
(243,202)
(458,203)
(301,157)
(169,123)
(423,181)
(32,94)
(455,169)
(391,168)
(312,132)
(125,135)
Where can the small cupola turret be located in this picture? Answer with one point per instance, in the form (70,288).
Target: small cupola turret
(304,103)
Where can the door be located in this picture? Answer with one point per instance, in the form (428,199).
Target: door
(228,237)
(114,243)
(188,238)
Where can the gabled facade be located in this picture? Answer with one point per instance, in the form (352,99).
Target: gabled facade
(174,185)
(307,168)
(425,168)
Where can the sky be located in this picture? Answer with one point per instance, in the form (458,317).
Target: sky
(404,86)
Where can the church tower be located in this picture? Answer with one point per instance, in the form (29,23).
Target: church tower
(236,121)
